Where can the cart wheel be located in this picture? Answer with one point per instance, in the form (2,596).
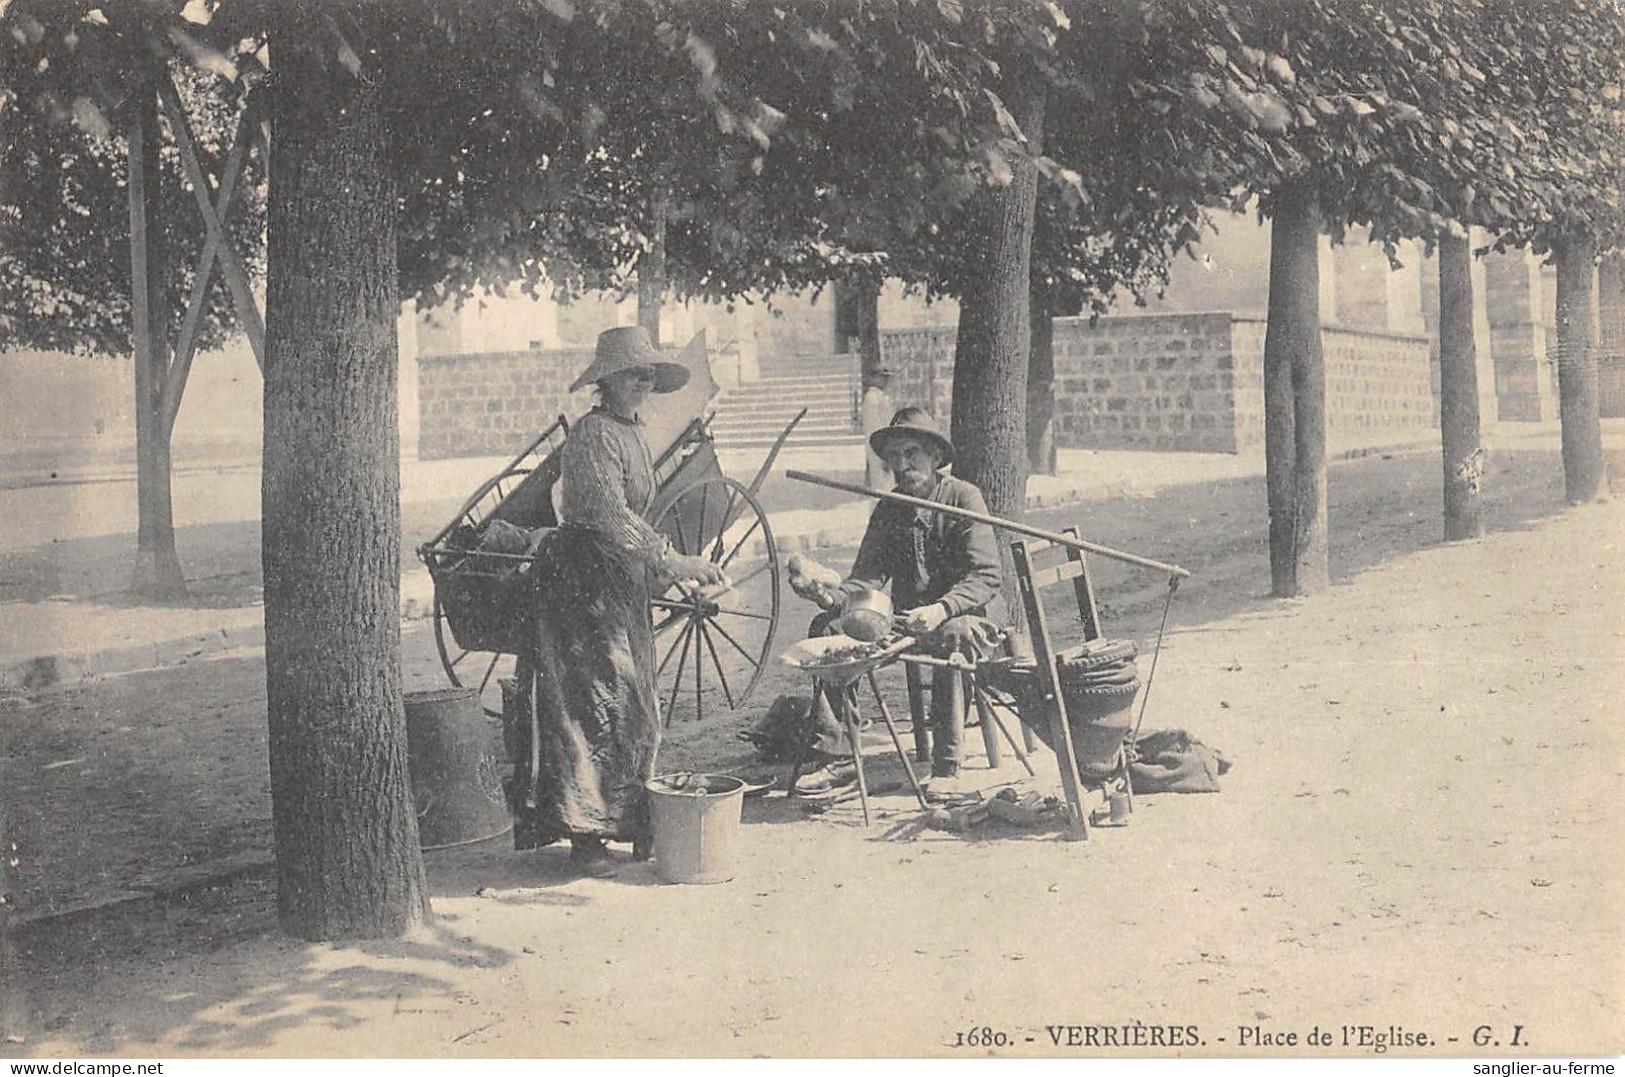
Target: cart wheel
(472,669)
(712,645)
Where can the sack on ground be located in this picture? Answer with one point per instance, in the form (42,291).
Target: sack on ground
(1173,761)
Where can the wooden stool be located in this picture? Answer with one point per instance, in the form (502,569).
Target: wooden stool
(963,692)
(966,689)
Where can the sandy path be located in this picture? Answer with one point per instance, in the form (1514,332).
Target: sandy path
(1419,832)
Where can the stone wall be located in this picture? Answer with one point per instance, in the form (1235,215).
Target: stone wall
(1378,389)
(1521,333)
(492,404)
(1190,382)
(922,366)
(1153,381)
(1247,349)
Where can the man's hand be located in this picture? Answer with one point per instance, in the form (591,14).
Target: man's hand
(814,582)
(925,619)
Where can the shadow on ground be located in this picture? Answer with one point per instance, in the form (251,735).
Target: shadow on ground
(283,983)
(221,562)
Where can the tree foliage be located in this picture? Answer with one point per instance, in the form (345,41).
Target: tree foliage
(1413,117)
(68,76)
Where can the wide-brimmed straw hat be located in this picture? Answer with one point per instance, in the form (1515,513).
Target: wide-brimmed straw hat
(913,422)
(628,347)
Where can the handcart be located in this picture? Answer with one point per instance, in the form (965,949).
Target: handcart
(711,644)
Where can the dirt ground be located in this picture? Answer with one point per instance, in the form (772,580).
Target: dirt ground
(1416,837)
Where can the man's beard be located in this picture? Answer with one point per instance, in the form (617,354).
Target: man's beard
(915,483)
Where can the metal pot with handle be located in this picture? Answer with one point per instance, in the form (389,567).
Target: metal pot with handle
(866,614)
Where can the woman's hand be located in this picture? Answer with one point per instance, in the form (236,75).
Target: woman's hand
(698,569)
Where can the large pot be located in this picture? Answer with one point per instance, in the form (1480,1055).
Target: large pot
(451,759)
(1101,715)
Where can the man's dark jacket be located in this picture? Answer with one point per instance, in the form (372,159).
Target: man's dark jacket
(931,556)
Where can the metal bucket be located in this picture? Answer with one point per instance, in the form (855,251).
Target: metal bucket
(695,819)
(455,773)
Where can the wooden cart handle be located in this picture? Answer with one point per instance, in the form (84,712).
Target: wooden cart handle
(995,521)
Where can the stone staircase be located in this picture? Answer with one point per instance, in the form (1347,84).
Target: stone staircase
(756,413)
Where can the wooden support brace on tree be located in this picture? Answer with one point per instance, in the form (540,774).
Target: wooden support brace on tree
(218,245)
(186,346)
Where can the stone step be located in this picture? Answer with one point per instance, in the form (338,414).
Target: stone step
(814,379)
(797,439)
(784,407)
(795,386)
(773,427)
(806,363)
(794,400)
(808,369)
(788,402)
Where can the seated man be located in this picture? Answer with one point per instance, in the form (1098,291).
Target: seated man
(943,569)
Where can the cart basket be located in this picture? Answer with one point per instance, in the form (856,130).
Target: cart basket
(481,581)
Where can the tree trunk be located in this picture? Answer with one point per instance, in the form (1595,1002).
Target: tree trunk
(1041,390)
(993,347)
(1458,393)
(1295,399)
(157,572)
(857,303)
(348,863)
(1577,401)
(652,269)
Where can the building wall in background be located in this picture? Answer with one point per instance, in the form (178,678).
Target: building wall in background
(493,404)
(1190,382)
(72,408)
(522,324)
(78,410)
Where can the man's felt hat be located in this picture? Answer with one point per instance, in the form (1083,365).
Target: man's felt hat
(913,422)
(628,347)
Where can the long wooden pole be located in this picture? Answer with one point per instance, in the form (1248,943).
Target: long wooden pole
(995,521)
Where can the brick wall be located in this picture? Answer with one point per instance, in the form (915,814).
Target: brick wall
(1247,347)
(1156,381)
(1190,382)
(493,403)
(1378,390)
(922,366)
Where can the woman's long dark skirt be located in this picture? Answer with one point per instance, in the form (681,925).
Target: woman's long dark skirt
(595,695)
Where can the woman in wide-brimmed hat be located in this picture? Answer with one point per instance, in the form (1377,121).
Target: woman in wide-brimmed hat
(594,650)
